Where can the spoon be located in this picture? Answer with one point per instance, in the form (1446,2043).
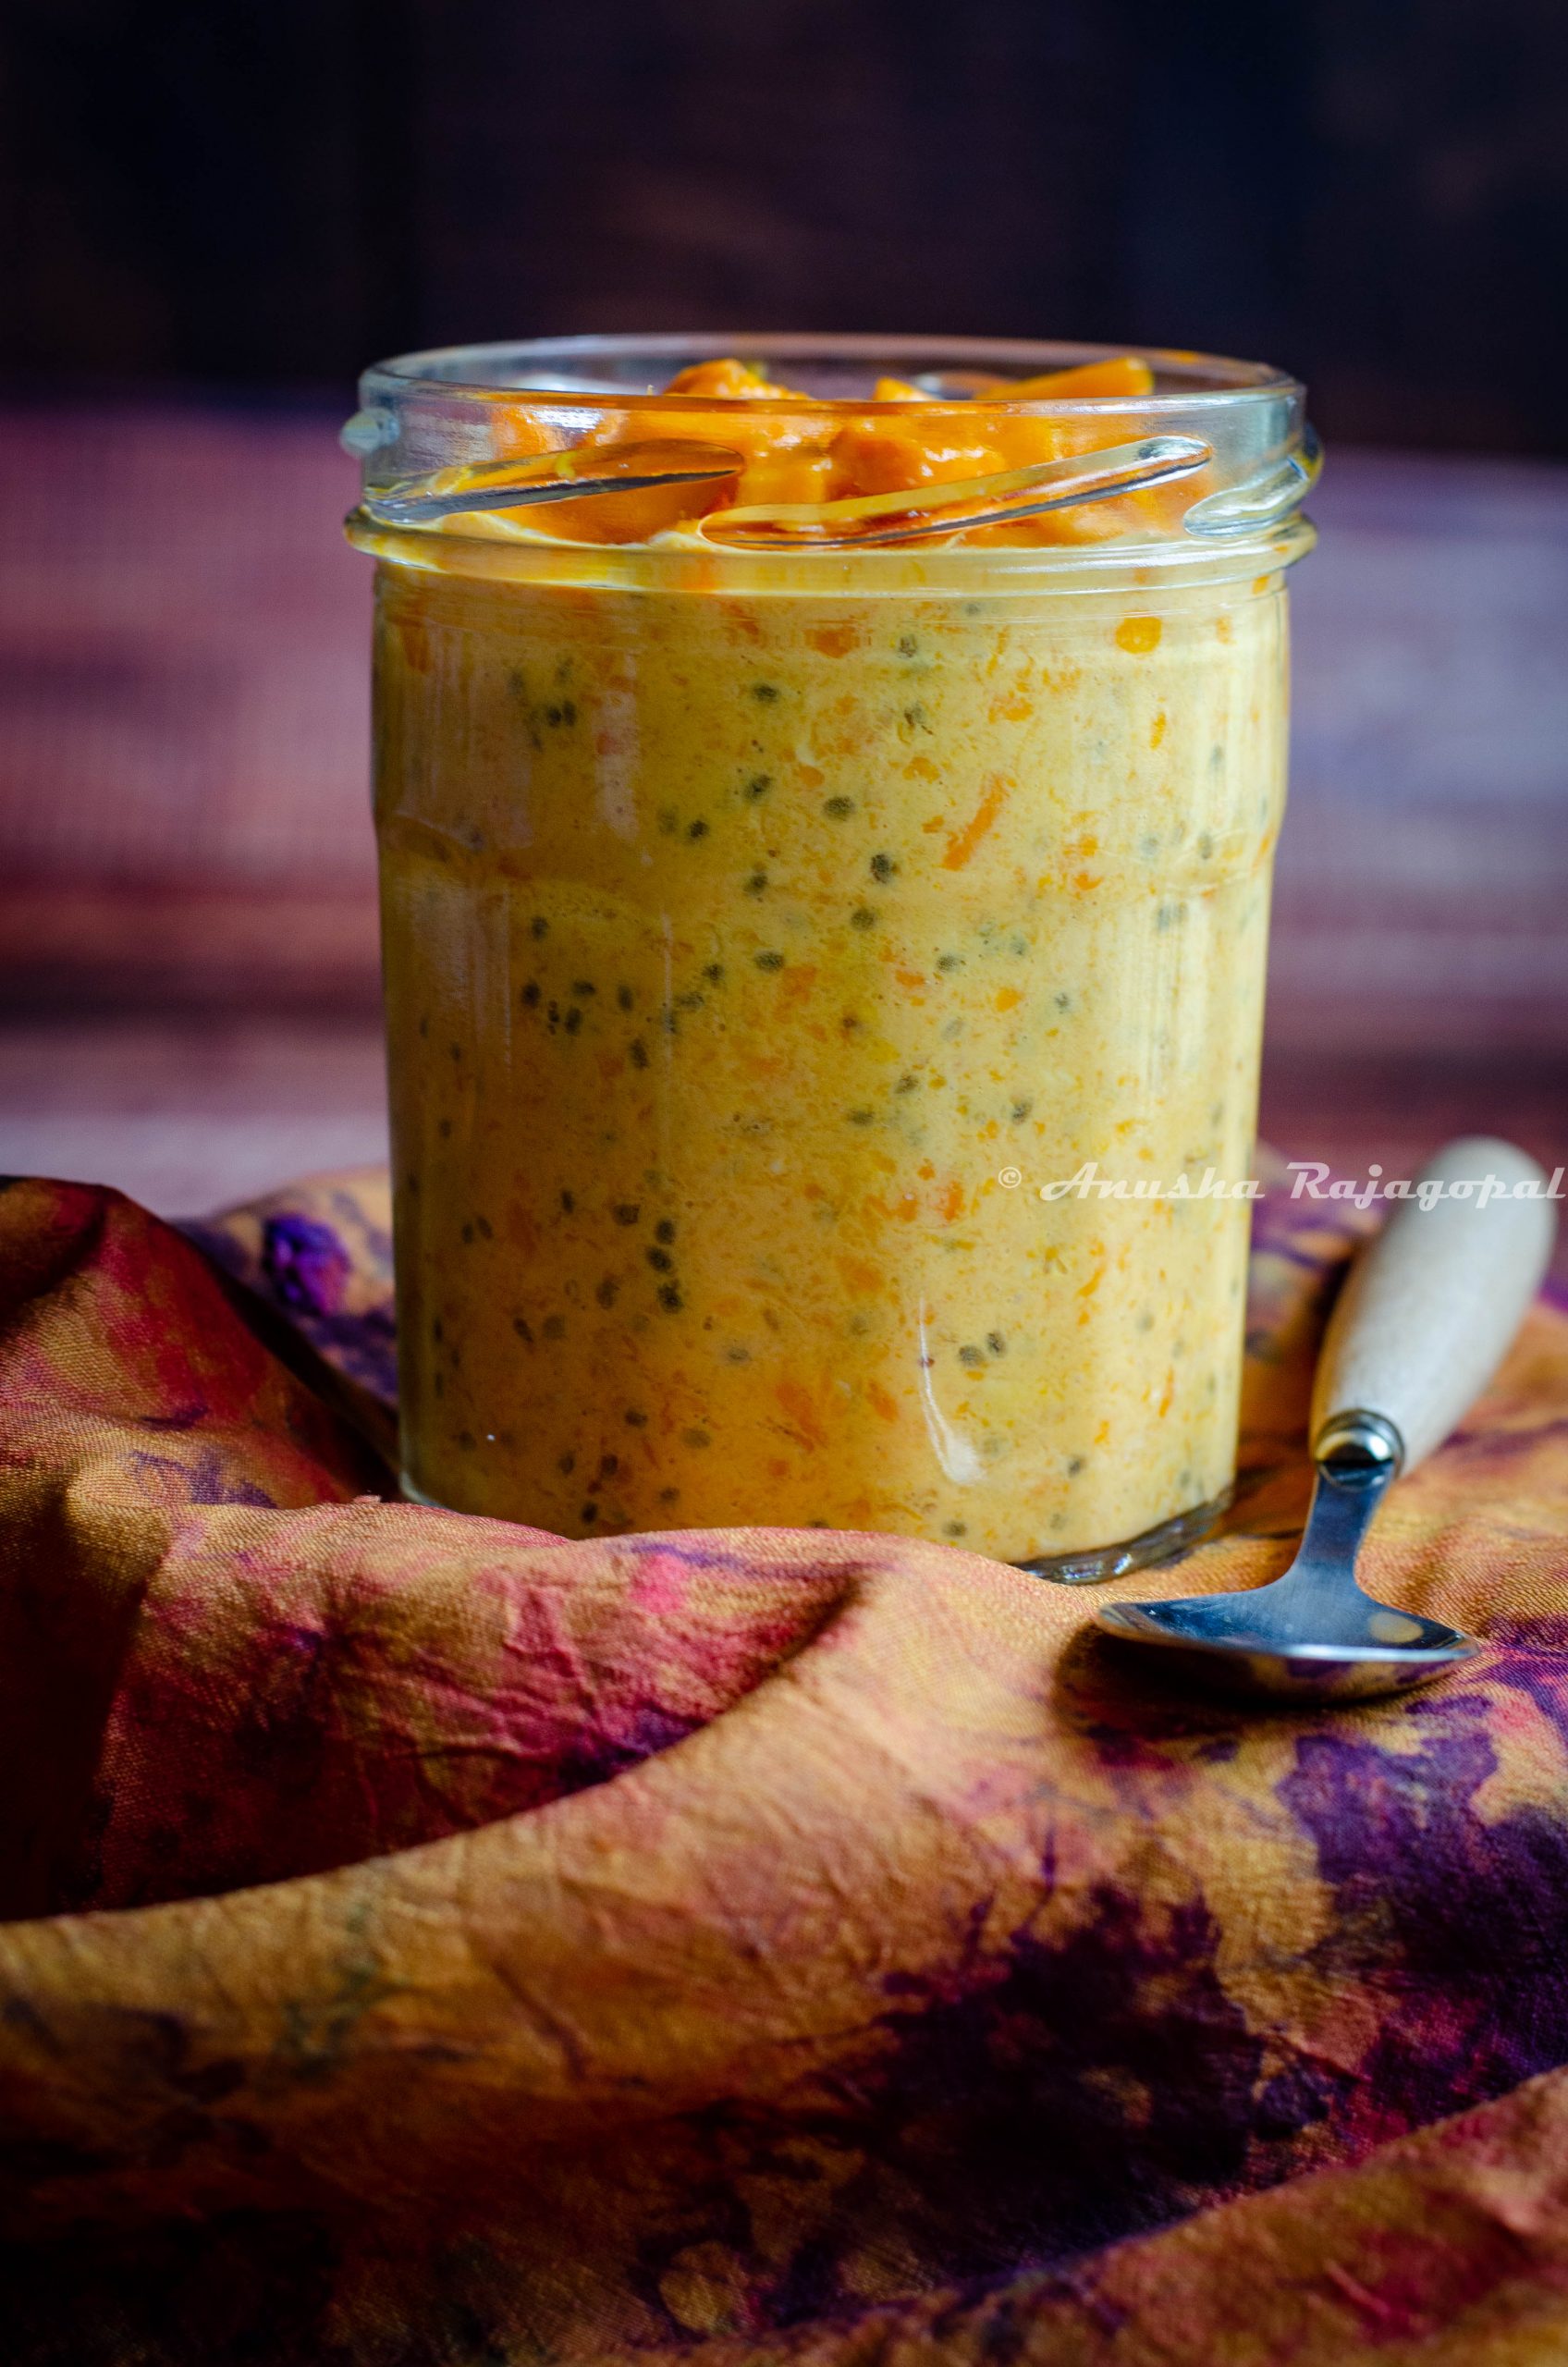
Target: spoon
(954,506)
(554,476)
(1419,1328)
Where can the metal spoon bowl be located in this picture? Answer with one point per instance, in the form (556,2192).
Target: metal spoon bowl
(1270,1661)
(1312,1634)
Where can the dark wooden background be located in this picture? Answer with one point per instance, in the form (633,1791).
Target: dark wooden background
(1374,192)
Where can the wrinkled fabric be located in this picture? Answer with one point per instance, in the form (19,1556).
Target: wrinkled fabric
(430,1941)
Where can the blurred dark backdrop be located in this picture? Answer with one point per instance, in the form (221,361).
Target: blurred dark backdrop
(1374,192)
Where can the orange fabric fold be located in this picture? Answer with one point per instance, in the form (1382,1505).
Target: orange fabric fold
(429,1940)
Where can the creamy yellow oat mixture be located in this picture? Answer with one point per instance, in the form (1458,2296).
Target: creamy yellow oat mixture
(736,945)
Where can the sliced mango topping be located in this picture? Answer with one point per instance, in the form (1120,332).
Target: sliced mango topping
(792,449)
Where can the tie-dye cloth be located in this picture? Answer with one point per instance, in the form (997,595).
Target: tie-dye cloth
(430,1942)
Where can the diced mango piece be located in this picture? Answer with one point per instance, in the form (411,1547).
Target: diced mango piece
(870,456)
(1127,375)
(729,381)
(795,450)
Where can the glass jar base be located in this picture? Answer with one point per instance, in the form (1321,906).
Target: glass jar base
(1091,1566)
(412,1495)
(1096,1563)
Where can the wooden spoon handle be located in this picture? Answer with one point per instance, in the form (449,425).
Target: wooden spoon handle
(1431,1305)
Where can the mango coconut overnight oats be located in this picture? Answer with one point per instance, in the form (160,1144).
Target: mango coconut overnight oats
(816,810)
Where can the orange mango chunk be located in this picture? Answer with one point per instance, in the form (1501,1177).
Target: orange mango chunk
(795,451)
(1127,375)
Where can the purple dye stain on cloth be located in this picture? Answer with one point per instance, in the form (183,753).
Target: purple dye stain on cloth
(1453,1916)
(306,1265)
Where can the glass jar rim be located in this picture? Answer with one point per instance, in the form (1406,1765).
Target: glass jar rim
(509,368)
(439,426)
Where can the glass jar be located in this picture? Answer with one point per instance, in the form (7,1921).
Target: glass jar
(825,975)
